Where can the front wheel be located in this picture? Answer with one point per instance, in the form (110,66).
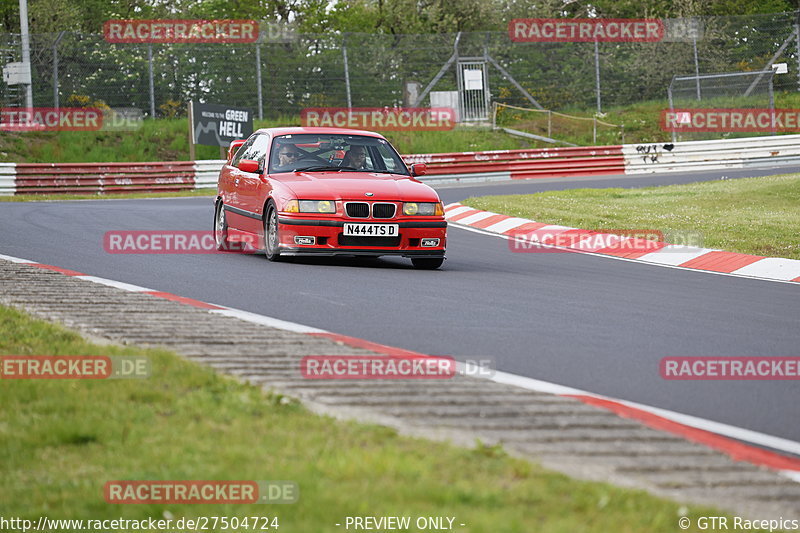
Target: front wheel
(427,263)
(221,229)
(271,235)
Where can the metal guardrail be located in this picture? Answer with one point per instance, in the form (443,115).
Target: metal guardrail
(103,178)
(100,178)
(522,164)
(689,156)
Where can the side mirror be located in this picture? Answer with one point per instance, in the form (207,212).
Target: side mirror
(419,169)
(248,165)
(234,147)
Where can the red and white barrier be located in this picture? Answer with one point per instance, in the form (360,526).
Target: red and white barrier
(502,165)
(459,167)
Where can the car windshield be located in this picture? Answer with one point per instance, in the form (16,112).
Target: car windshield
(334,152)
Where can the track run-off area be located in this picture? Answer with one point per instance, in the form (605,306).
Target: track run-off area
(592,323)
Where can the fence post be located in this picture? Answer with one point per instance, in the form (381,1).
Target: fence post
(258,79)
(772,104)
(152,89)
(671,108)
(597,74)
(594,131)
(346,71)
(55,69)
(550,123)
(797,41)
(696,67)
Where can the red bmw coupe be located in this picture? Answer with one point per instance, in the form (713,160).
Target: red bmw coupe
(327,191)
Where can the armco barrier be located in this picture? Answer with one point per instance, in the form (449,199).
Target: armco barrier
(8,179)
(709,155)
(520,164)
(99,178)
(207,173)
(463,167)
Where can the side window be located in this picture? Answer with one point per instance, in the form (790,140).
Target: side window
(258,151)
(239,155)
(255,148)
(390,162)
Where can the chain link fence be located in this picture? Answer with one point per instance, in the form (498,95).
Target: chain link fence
(278,78)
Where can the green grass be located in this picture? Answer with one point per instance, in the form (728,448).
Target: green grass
(758,216)
(641,121)
(168,140)
(61,440)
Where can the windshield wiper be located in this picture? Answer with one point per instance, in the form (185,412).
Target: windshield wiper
(319,168)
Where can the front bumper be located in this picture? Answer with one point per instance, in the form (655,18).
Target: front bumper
(328,238)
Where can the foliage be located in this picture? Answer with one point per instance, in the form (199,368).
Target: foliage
(379,16)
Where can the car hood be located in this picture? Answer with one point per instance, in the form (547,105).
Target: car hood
(354,186)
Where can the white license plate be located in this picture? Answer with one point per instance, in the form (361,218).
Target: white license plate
(371,230)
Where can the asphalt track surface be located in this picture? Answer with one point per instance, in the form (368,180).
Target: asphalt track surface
(583,321)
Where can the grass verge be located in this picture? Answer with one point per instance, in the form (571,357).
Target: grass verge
(168,140)
(759,216)
(62,440)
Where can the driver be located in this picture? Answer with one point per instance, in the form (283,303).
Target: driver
(287,154)
(356,157)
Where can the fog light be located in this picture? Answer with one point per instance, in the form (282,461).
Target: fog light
(428,243)
(305,240)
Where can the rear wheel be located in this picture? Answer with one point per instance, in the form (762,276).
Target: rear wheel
(427,263)
(272,235)
(221,229)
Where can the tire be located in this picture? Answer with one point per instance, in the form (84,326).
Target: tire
(427,263)
(271,235)
(221,230)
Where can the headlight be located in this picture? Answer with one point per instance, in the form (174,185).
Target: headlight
(423,208)
(317,206)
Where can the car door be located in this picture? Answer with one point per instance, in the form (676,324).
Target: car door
(246,209)
(230,179)
(252,184)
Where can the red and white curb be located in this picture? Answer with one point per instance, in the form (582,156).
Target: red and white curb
(662,254)
(730,440)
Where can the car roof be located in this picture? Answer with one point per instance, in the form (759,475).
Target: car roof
(295,130)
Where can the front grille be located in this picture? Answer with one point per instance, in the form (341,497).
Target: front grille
(357,209)
(349,240)
(383,210)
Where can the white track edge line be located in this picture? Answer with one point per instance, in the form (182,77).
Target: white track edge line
(746,435)
(116,284)
(17,260)
(264,320)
